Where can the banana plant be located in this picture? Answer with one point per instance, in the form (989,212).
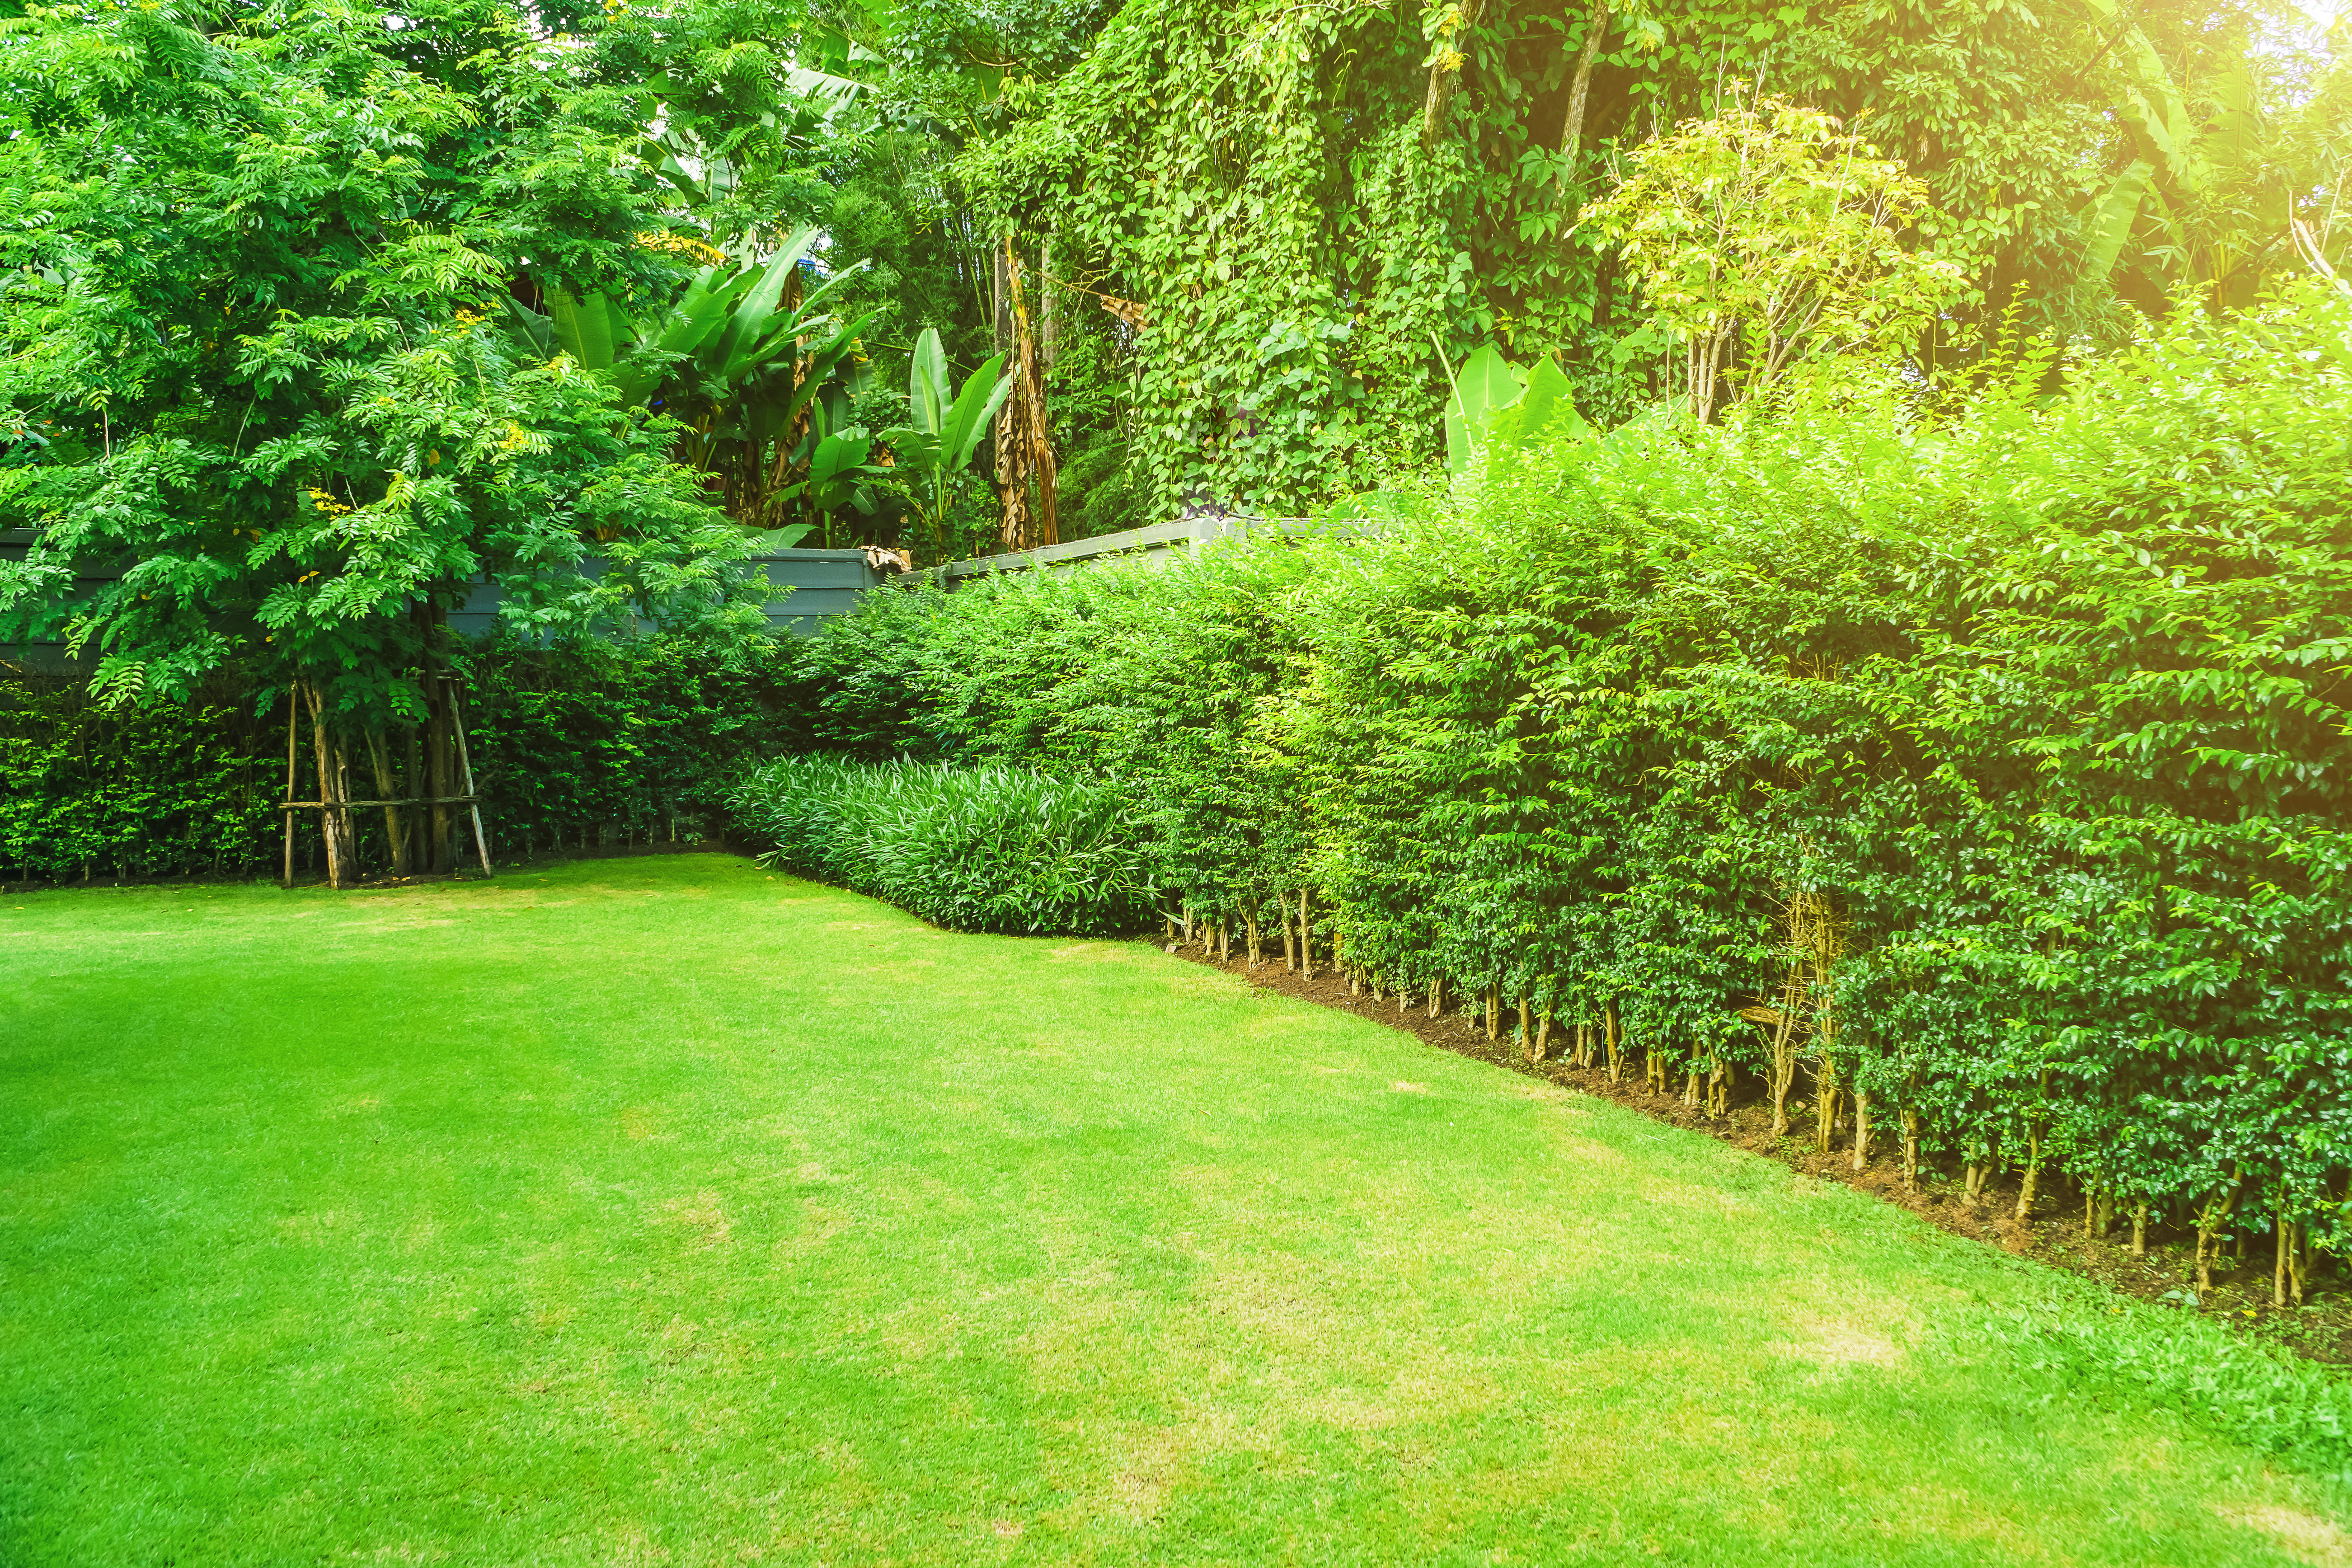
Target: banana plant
(2206,193)
(943,432)
(840,472)
(728,358)
(1495,400)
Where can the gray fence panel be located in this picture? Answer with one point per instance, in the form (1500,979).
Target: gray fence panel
(814,585)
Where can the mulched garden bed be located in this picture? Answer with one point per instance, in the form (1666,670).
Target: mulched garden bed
(2321,1328)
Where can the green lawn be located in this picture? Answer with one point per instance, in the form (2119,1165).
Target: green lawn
(663,1211)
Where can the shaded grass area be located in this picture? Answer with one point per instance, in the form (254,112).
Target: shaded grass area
(664,1210)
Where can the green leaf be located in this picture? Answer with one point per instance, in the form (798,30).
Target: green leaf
(2111,221)
(1548,404)
(1485,382)
(927,382)
(583,327)
(974,406)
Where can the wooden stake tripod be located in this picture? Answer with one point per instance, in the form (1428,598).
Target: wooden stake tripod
(334,806)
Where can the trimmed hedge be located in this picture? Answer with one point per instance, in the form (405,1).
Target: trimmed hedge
(2002,746)
(599,745)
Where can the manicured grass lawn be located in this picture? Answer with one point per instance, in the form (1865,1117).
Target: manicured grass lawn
(662,1211)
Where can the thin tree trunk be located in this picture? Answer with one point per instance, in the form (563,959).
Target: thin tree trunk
(2284,1236)
(2210,1218)
(466,777)
(440,855)
(1784,1053)
(1861,1128)
(1445,75)
(395,831)
(332,818)
(2025,1192)
(1306,937)
(1571,130)
(2139,1231)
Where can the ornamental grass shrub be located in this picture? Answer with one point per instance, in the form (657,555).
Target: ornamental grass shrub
(986,848)
(1965,767)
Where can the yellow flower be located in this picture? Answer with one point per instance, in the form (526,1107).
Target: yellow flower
(682,244)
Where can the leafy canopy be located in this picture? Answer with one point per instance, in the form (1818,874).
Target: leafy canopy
(252,352)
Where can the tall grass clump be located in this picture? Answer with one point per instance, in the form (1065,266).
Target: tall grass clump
(993,848)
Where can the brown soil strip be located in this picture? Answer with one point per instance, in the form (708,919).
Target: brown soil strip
(2321,1328)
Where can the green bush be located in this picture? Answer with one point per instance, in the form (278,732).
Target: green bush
(991,848)
(572,748)
(86,790)
(2003,743)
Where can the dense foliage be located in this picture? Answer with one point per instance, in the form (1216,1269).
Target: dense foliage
(972,849)
(1983,760)
(252,350)
(1296,200)
(597,747)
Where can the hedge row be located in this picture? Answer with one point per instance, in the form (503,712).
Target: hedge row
(1975,767)
(593,746)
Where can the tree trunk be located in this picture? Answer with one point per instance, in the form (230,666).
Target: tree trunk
(1784,1051)
(1445,74)
(2139,1231)
(1826,1095)
(2284,1236)
(1025,445)
(2209,1219)
(440,849)
(1049,308)
(395,824)
(1861,1128)
(293,722)
(1571,129)
(334,817)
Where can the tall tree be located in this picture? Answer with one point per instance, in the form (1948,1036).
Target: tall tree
(252,361)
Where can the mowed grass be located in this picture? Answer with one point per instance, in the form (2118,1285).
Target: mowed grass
(664,1210)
